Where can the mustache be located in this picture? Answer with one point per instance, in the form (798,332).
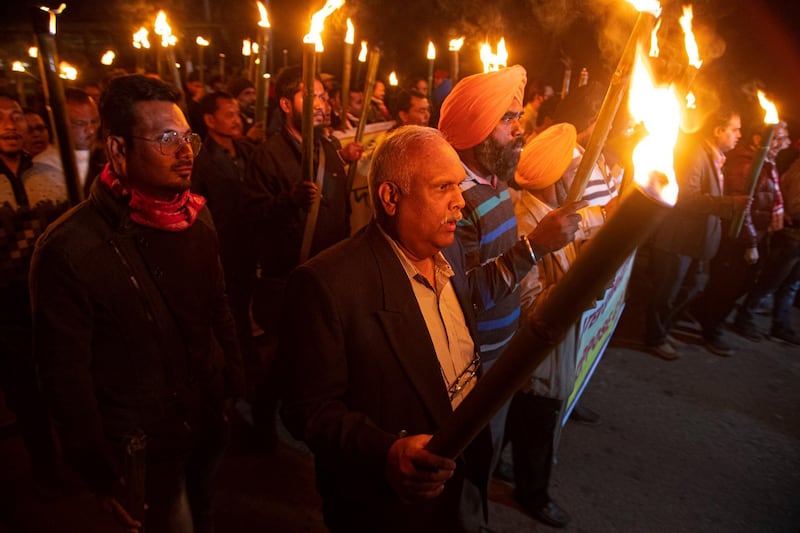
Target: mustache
(452,218)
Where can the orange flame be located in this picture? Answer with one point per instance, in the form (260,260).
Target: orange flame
(648,6)
(688,34)
(350,36)
(362,55)
(494,61)
(163,29)
(431,51)
(691,101)
(654,50)
(658,108)
(314,34)
(140,38)
(246,47)
(67,71)
(456,44)
(263,21)
(33,52)
(202,41)
(393,79)
(17,66)
(108,58)
(771,116)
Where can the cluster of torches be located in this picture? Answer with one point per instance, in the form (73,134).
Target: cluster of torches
(657,108)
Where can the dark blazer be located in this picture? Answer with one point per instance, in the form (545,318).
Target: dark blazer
(693,228)
(360,368)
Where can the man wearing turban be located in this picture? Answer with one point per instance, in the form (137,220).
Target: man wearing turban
(481,120)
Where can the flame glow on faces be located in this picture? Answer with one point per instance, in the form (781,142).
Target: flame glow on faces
(431,51)
(491,61)
(393,79)
(771,116)
(314,34)
(350,36)
(654,50)
(659,109)
(688,34)
(362,55)
(456,44)
(17,66)
(647,6)
(67,71)
(263,21)
(140,39)
(201,41)
(163,29)
(108,58)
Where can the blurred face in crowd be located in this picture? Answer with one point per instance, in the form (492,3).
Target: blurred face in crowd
(780,140)
(13,127)
(294,109)
(356,102)
(247,98)
(225,121)
(38,137)
(84,120)
(499,153)
(379,92)
(419,114)
(155,160)
(421,86)
(726,137)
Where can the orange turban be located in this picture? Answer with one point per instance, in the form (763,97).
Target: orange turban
(476,104)
(545,158)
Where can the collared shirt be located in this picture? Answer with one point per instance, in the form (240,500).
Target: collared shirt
(719,161)
(445,321)
(473,179)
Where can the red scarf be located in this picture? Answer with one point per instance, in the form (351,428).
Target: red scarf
(176,214)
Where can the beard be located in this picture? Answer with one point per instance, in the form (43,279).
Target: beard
(501,160)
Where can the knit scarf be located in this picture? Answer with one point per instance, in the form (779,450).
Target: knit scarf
(176,214)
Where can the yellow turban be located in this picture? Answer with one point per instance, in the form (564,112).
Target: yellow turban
(476,104)
(545,158)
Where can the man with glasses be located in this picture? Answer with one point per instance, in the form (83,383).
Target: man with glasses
(132,333)
(378,349)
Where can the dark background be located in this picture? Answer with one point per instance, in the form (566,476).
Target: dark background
(745,43)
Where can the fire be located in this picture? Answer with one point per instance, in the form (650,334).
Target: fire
(246,47)
(654,50)
(33,52)
(108,58)
(140,38)
(263,20)
(202,41)
(647,6)
(658,108)
(494,61)
(431,51)
(163,29)
(254,49)
(771,116)
(53,12)
(393,79)
(691,44)
(691,101)
(314,34)
(350,36)
(362,55)
(456,44)
(17,66)
(67,71)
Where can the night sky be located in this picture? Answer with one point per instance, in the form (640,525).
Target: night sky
(746,42)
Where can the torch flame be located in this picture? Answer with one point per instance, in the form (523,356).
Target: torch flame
(163,29)
(431,51)
(362,55)
(108,57)
(67,71)
(350,36)
(246,47)
(771,116)
(491,61)
(140,38)
(691,101)
(201,41)
(254,50)
(654,50)
(658,108)
(649,6)
(688,34)
(314,34)
(263,21)
(393,79)
(17,66)
(456,44)
(53,12)
(33,52)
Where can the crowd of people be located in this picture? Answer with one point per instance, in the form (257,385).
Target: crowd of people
(178,294)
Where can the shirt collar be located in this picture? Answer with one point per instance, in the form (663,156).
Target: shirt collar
(442,269)
(472,176)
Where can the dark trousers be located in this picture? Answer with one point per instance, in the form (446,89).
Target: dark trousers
(531,427)
(780,276)
(677,280)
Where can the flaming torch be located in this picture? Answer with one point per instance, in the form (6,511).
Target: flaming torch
(202,44)
(262,78)
(649,10)
(431,60)
(311,43)
(771,120)
(19,69)
(393,82)
(108,58)
(494,61)
(544,327)
(142,43)
(246,57)
(349,41)
(691,49)
(362,58)
(455,48)
(168,42)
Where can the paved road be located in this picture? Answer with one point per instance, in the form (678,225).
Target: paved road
(703,443)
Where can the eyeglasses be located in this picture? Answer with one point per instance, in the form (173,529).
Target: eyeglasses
(465,377)
(170,141)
